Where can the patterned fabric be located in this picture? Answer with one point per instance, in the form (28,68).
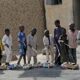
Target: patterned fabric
(22,42)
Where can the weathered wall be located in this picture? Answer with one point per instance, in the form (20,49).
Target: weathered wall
(22,12)
(64,12)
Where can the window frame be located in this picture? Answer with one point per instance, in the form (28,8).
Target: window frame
(53,2)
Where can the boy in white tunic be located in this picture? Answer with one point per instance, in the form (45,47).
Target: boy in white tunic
(32,46)
(7,43)
(49,46)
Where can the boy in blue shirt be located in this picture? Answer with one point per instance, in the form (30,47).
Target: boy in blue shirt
(22,45)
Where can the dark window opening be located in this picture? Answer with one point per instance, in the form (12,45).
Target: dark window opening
(53,2)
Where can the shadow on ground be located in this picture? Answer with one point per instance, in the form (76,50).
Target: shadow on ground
(1,72)
(42,72)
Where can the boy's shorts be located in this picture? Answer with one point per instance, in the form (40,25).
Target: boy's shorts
(22,51)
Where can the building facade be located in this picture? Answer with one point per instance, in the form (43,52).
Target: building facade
(29,13)
(67,11)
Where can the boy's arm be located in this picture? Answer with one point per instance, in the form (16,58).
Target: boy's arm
(28,42)
(25,42)
(4,42)
(36,42)
(19,38)
(78,36)
(60,39)
(11,40)
(54,37)
(45,42)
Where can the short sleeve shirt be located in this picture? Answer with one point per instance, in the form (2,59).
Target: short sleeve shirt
(21,37)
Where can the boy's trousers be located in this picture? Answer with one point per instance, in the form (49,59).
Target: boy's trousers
(49,51)
(72,55)
(32,53)
(8,53)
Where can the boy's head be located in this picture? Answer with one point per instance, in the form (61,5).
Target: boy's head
(57,23)
(46,33)
(7,32)
(72,27)
(33,32)
(21,28)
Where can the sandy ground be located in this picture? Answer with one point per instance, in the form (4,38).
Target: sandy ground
(55,73)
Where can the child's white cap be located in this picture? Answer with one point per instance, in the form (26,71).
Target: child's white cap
(71,23)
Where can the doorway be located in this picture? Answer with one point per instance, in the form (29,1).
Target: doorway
(76,13)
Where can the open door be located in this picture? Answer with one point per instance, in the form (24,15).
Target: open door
(76,13)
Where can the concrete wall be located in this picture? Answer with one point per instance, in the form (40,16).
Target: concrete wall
(64,12)
(29,13)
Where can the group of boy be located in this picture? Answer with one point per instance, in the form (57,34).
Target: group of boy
(61,45)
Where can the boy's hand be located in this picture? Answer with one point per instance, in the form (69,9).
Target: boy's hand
(60,41)
(7,45)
